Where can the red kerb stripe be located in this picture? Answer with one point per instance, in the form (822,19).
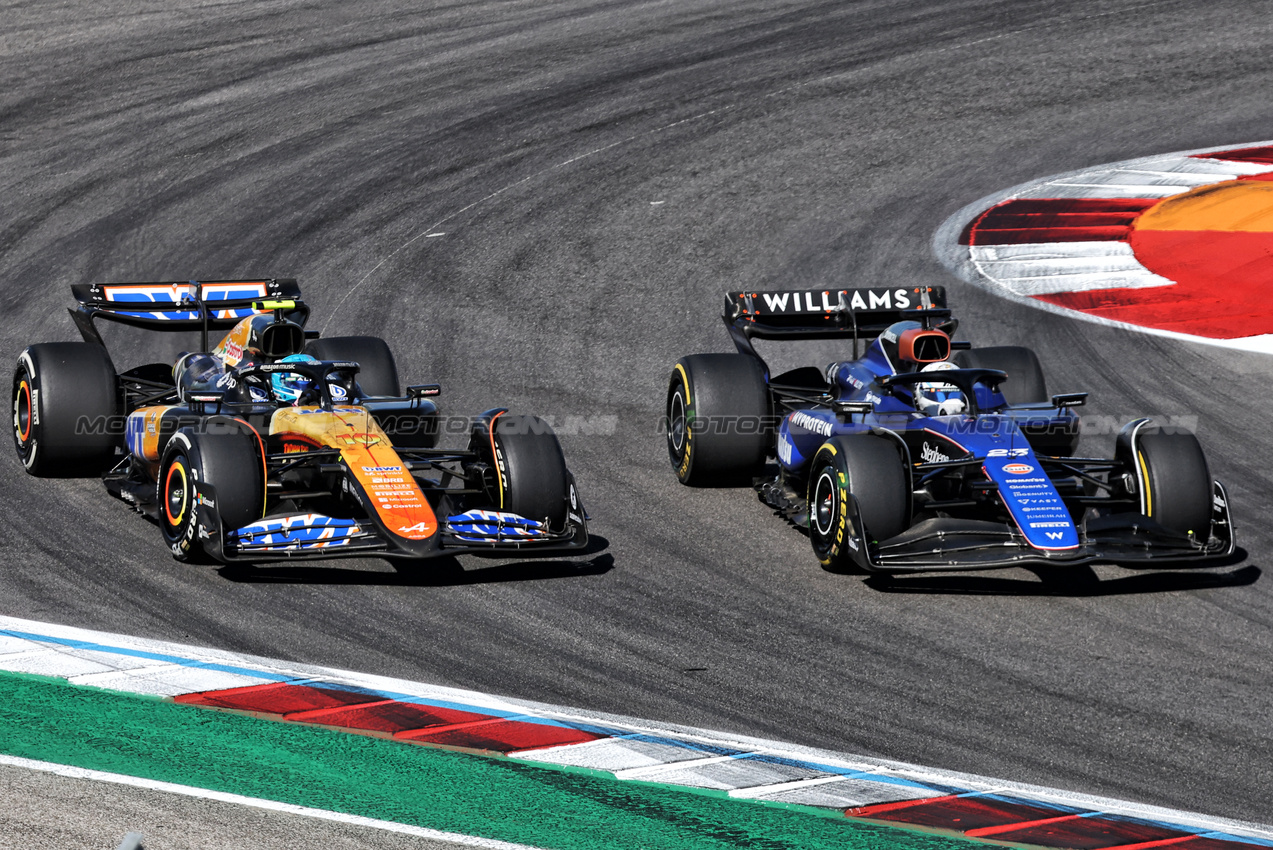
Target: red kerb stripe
(501,735)
(1029,220)
(967,812)
(418,722)
(279,698)
(1259,156)
(1145,845)
(1024,825)
(1090,832)
(881,808)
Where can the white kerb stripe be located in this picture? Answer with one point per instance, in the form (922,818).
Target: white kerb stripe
(668,767)
(781,787)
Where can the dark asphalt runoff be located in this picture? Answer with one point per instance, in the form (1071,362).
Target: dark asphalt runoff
(539,205)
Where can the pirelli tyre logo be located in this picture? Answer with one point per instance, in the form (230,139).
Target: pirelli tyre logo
(844,530)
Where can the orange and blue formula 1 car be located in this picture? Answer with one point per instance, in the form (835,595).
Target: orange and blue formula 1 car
(275,444)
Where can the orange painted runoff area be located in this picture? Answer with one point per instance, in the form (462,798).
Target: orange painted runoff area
(1216,244)
(1241,206)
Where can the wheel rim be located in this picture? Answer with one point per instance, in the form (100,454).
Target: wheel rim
(822,507)
(176,498)
(677,428)
(22,412)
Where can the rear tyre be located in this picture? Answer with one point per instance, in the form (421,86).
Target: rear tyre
(378,374)
(868,467)
(1025,384)
(531,476)
(66,409)
(718,419)
(1173,482)
(226,456)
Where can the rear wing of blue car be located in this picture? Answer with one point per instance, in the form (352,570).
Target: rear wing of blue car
(830,313)
(183,305)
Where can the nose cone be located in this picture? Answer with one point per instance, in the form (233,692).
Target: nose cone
(1034,503)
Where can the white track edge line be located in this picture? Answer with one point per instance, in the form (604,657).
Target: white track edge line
(258,803)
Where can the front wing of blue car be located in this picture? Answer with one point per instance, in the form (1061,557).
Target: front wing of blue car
(1123,539)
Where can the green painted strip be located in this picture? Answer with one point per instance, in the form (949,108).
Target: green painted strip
(51,720)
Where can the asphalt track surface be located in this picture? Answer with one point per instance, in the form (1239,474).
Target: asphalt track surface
(602,173)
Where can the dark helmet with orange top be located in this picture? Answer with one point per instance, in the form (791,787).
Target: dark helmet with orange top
(910,346)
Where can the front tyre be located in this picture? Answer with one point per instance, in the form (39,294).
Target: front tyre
(66,410)
(1172,482)
(718,419)
(865,466)
(530,470)
(227,456)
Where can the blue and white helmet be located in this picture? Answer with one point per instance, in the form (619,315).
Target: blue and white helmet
(935,398)
(288,386)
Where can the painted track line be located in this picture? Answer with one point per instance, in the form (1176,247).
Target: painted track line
(257,803)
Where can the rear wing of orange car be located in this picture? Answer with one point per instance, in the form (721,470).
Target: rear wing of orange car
(183,305)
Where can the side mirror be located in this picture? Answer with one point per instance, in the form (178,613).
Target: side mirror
(845,409)
(198,402)
(1069,400)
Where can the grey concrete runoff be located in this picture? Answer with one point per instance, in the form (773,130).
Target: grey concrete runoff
(539,206)
(47,810)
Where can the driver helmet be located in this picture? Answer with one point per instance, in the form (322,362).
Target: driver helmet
(289,386)
(196,371)
(909,345)
(935,398)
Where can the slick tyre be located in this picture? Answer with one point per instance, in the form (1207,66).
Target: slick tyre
(66,409)
(867,467)
(1025,384)
(1172,480)
(378,374)
(227,456)
(719,427)
(531,476)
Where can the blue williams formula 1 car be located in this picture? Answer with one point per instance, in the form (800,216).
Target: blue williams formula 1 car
(926,454)
(276,444)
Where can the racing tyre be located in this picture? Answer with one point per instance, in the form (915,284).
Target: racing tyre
(226,456)
(1025,384)
(869,467)
(718,419)
(66,409)
(378,374)
(1172,480)
(532,480)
